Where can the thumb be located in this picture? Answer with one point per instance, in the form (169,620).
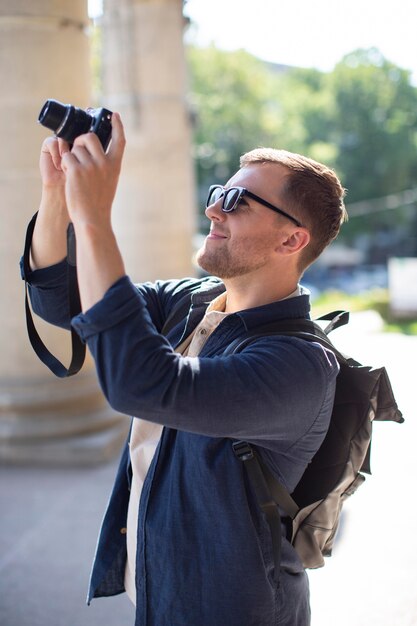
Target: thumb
(118,139)
(67,159)
(63,146)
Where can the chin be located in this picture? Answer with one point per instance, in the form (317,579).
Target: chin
(207,266)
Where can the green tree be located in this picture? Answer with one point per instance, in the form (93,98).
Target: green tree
(307,106)
(234,97)
(374,125)
(361,119)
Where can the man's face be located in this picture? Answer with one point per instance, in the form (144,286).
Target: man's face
(244,241)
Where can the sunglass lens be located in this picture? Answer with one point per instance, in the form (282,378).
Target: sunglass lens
(231,199)
(214,194)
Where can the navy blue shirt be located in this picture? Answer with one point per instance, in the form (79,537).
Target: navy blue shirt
(204,548)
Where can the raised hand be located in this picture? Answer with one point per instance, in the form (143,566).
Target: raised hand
(92,176)
(50,162)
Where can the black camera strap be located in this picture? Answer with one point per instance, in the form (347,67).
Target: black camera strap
(78,347)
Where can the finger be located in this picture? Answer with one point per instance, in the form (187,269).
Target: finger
(91,143)
(118,139)
(63,146)
(68,159)
(82,154)
(50,147)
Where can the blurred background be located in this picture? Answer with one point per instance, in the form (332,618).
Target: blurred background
(199,83)
(335,82)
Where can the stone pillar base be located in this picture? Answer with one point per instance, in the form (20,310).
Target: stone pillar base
(50,422)
(84,451)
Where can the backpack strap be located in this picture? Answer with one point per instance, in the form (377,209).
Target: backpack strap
(336,318)
(177,314)
(245,452)
(78,347)
(270,493)
(266,498)
(299,327)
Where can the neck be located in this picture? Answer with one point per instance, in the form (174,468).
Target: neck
(248,291)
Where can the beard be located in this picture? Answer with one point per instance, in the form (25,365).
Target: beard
(220,261)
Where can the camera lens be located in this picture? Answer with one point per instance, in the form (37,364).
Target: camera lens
(52,114)
(65,120)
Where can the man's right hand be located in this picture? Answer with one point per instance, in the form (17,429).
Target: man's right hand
(50,162)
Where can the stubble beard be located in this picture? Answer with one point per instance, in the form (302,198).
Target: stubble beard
(221,263)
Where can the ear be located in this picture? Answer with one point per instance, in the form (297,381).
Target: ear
(294,242)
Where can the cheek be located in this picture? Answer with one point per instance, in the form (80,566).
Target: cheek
(261,240)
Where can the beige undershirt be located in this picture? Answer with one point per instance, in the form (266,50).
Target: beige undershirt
(145,436)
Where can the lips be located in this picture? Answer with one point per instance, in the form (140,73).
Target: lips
(215,235)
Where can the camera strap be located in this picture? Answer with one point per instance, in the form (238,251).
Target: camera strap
(78,347)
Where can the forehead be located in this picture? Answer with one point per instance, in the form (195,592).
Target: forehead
(267,179)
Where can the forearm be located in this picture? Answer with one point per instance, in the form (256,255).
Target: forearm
(91,178)
(79,185)
(49,243)
(99,262)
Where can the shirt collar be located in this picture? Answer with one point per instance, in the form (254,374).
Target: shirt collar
(289,308)
(295,305)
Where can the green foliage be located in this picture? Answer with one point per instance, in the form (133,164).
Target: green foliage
(360,119)
(406,328)
(372,300)
(236,105)
(374,125)
(306,107)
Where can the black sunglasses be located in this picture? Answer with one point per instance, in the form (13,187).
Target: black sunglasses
(232,197)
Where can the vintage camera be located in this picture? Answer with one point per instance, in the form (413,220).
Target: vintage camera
(68,121)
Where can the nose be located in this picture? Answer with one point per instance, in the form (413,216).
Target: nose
(214,211)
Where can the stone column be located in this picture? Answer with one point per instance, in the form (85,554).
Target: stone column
(44,53)
(144,78)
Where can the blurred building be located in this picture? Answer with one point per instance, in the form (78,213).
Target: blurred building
(45,53)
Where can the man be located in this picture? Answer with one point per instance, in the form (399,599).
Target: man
(183,533)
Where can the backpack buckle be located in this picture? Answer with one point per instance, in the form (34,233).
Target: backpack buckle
(242,450)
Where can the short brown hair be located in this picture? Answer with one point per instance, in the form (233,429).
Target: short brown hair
(312,193)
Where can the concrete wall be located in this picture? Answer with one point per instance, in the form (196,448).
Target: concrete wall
(44,53)
(144,78)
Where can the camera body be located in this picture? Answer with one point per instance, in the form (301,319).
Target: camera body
(68,121)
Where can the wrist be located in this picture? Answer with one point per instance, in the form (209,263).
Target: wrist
(93,232)
(99,262)
(53,200)
(49,243)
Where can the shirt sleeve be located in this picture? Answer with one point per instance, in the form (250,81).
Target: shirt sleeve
(48,292)
(274,389)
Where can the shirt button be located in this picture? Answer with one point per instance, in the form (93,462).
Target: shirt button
(123,531)
(203,331)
